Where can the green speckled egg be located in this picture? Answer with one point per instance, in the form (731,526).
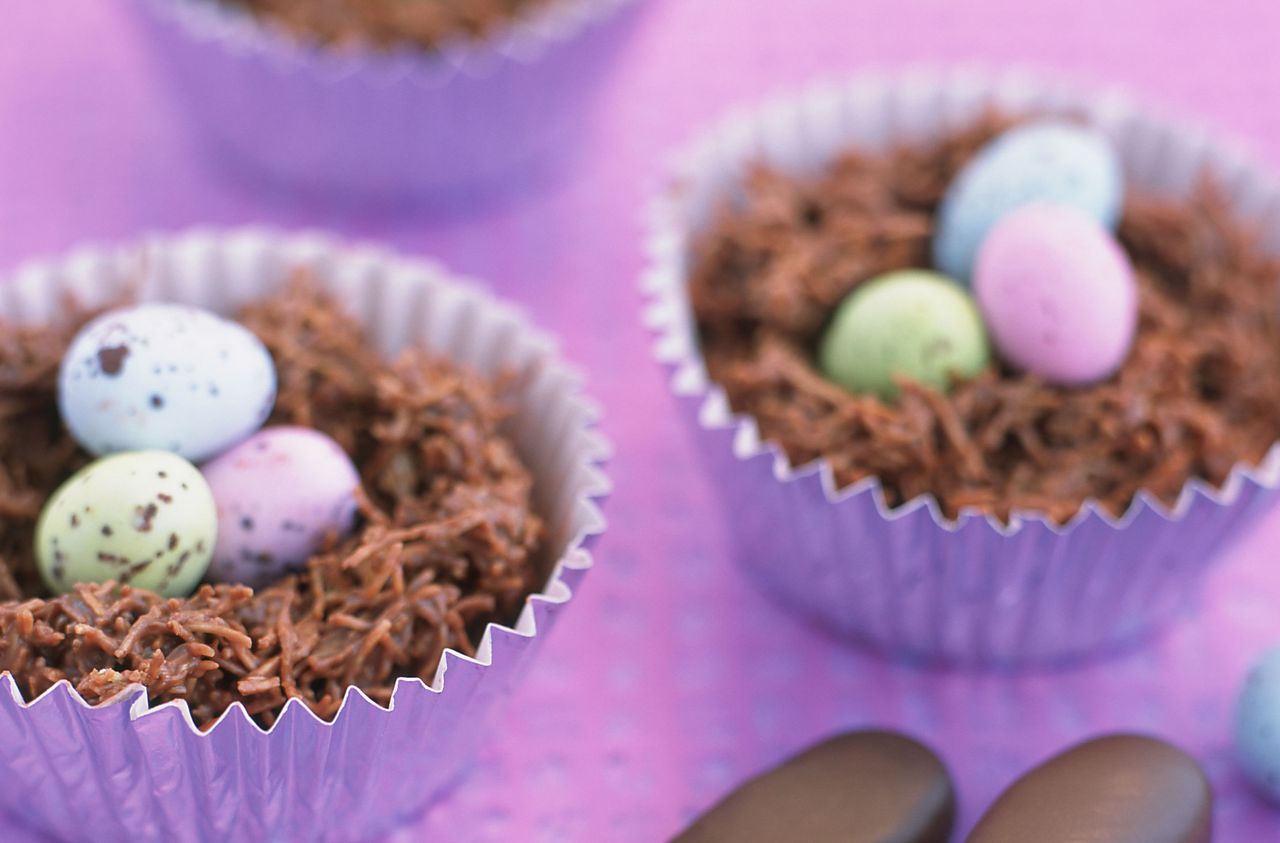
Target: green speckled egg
(142,518)
(913,324)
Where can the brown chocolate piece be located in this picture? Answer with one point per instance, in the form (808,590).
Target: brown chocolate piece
(448,540)
(387,23)
(1115,789)
(1199,393)
(860,787)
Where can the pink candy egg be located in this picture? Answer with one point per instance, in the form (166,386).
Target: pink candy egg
(1058,294)
(279,494)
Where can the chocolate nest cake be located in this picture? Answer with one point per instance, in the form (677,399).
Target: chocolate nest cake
(447,539)
(1198,394)
(389,23)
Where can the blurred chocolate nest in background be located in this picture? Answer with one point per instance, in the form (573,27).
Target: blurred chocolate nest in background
(428,24)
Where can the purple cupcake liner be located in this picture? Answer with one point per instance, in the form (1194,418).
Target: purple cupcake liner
(973,590)
(396,126)
(124,770)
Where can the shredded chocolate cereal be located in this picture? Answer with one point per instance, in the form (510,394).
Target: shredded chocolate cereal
(1199,393)
(447,543)
(388,23)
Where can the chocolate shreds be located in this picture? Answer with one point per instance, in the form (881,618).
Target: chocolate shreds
(388,23)
(40,454)
(447,540)
(1199,393)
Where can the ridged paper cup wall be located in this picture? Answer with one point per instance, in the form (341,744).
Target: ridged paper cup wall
(404,125)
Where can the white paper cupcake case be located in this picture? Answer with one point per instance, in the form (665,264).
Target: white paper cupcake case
(122,771)
(970,591)
(402,125)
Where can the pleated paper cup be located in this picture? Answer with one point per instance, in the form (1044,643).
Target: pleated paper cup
(397,126)
(972,590)
(126,771)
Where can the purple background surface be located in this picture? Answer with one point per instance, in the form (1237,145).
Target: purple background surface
(672,679)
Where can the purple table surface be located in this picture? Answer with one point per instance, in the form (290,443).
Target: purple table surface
(671,679)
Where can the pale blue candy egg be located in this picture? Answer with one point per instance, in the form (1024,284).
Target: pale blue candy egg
(165,377)
(1257,726)
(1055,162)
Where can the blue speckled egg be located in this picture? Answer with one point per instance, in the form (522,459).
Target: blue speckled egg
(165,377)
(143,518)
(1056,162)
(1257,726)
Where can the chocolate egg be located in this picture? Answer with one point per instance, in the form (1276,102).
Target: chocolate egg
(1114,789)
(1058,294)
(280,494)
(142,518)
(1257,726)
(1050,161)
(860,787)
(911,324)
(167,377)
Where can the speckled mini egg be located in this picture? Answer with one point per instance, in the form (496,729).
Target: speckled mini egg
(1042,162)
(280,494)
(911,324)
(1058,294)
(168,377)
(141,518)
(1257,726)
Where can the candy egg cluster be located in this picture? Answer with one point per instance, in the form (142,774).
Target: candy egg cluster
(154,388)
(1027,261)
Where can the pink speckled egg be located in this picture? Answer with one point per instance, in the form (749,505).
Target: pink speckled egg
(1058,294)
(279,495)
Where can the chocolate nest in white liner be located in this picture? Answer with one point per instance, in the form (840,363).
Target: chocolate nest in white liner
(1199,393)
(447,542)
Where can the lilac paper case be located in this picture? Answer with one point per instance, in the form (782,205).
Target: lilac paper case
(907,579)
(404,125)
(140,774)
